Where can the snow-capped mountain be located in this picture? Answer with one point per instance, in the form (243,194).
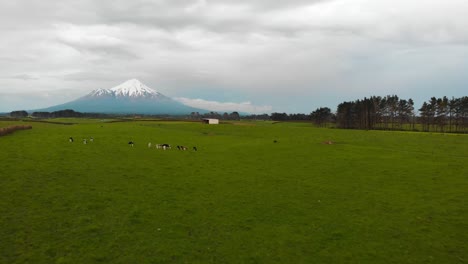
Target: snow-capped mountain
(130,97)
(131,89)
(134,88)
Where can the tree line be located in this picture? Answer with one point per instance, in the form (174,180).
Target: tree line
(72,113)
(55,114)
(444,114)
(376,112)
(388,113)
(231,116)
(394,113)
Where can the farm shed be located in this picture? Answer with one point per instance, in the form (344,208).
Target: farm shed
(211,121)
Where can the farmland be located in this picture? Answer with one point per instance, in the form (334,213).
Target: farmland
(369,197)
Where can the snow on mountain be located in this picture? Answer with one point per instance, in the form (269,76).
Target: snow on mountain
(100,92)
(131,97)
(134,88)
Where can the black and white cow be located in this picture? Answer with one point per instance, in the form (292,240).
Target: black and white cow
(165,146)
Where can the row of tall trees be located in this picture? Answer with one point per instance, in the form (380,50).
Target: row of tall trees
(288,117)
(322,116)
(55,114)
(61,113)
(392,112)
(443,114)
(19,114)
(376,112)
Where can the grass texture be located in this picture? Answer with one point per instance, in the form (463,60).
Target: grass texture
(370,197)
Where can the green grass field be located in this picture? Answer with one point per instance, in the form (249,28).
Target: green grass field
(371,197)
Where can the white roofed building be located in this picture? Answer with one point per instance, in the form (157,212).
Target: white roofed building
(210,121)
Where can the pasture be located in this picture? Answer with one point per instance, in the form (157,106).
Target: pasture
(370,197)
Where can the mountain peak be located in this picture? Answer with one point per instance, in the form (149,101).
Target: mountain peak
(133,88)
(130,97)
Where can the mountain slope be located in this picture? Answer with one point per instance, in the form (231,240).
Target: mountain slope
(130,97)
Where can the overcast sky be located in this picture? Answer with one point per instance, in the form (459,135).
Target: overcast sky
(259,56)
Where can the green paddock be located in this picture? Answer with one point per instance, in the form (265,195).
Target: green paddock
(254,192)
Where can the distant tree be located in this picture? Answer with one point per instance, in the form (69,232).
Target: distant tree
(458,114)
(257,117)
(424,116)
(66,113)
(405,112)
(195,115)
(234,116)
(299,117)
(441,113)
(279,116)
(19,114)
(452,111)
(432,107)
(345,115)
(212,115)
(410,112)
(388,112)
(322,116)
(463,114)
(41,114)
(391,112)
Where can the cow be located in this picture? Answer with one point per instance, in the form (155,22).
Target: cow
(85,141)
(194,148)
(166,146)
(149,144)
(163,146)
(131,143)
(70,139)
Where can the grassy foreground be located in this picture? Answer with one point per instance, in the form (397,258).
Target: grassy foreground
(371,197)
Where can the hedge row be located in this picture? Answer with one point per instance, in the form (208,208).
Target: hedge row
(11,129)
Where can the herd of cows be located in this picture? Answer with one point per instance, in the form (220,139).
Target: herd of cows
(132,143)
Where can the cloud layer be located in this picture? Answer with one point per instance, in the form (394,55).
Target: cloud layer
(317,53)
(244,107)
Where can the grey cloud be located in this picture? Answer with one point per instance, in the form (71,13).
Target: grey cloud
(26,14)
(108,53)
(24,77)
(257,47)
(95,41)
(401,21)
(223,16)
(276,4)
(246,107)
(88,75)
